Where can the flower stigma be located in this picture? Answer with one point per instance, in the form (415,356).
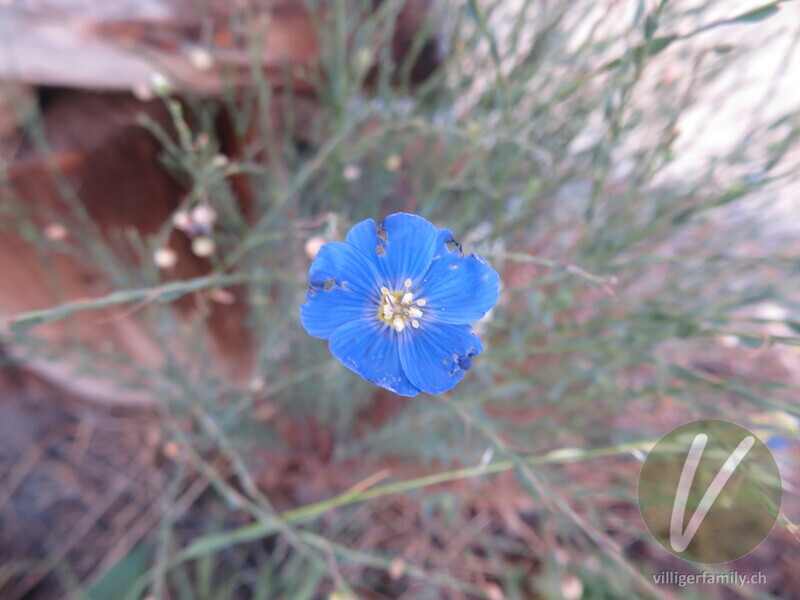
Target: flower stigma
(398,309)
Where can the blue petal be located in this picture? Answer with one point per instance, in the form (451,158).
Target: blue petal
(324,311)
(401,246)
(344,264)
(343,286)
(457,288)
(364,237)
(435,356)
(369,348)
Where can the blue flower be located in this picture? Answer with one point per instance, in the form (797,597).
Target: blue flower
(396,300)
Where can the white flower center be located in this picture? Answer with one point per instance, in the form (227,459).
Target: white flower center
(398,309)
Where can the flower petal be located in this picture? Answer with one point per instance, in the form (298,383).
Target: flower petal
(458,288)
(342,287)
(364,237)
(344,264)
(324,311)
(435,356)
(370,349)
(401,246)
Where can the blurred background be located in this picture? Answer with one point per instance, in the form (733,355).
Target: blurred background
(169,169)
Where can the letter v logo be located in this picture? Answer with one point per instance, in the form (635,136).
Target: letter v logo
(679,539)
(709,491)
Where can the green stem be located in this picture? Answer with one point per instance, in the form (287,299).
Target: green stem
(253,531)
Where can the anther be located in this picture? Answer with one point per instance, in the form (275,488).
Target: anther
(397,308)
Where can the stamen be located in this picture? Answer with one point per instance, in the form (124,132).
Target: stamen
(396,308)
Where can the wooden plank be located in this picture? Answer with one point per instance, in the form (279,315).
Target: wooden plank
(120,45)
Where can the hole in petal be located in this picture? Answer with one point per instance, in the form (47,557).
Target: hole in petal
(453,245)
(329,284)
(381,232)
(380,250)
